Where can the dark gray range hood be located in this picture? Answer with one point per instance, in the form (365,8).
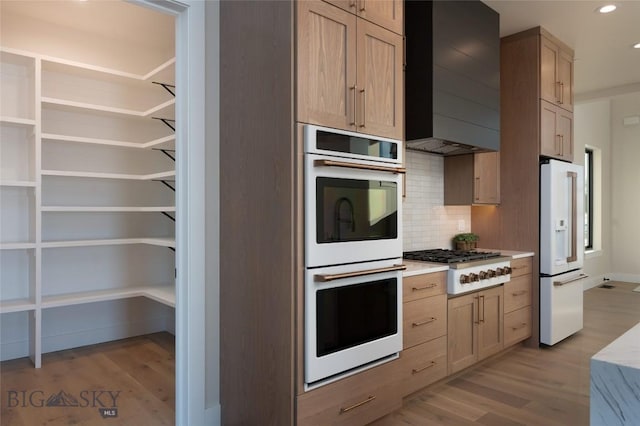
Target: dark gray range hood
(452,77)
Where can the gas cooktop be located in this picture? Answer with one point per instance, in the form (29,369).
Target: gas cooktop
(448,256)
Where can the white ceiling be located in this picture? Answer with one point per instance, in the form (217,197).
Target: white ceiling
(604,57)
(116,20)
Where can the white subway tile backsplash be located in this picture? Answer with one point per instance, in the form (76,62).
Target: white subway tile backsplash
(427,223)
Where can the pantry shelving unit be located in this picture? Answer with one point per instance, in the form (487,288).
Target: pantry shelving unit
(84,217)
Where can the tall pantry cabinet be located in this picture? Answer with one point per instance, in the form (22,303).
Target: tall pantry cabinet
(87,191)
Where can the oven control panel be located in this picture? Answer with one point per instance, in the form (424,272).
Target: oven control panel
(474,278)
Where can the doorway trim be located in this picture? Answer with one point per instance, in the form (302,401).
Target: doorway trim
(190,385)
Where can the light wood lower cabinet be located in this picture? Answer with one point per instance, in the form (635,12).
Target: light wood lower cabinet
(517,293)
(424,319)
(425,285)
(517,326)
(422,365)
(517,302)
(355,400)
(475,327)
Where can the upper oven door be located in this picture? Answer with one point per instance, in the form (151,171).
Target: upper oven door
(353,211)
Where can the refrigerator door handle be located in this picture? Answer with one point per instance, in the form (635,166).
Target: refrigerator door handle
(570,280)
(574,216)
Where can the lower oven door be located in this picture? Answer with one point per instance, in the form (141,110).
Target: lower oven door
(353,316)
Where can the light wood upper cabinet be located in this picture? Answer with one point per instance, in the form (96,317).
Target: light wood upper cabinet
(472,179)
(486,178)
(475,327)
(386,13)
(349,72)
(326,65)
(556,132)
(379,81)
(556,74)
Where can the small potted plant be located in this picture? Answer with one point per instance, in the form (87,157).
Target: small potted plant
(466,241)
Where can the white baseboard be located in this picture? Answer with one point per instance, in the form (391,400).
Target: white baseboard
(627,278)
(100,335)
(59,342)
(212,415)
(594,281)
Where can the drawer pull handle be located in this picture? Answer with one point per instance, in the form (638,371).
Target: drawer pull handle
(519,293)
(523,325)
(426,287)
(366,401)
(419,323)
(417,370)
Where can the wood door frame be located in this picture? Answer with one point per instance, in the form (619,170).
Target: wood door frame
(191,390)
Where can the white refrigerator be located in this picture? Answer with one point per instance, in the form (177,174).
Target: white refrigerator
(561,250)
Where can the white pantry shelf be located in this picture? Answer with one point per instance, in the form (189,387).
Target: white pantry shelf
(162,242)
(18,183)
(164,294)
(101,175)
(17,305)
(18,121)
(116,209)
(125,144)
(17,246)
(110,110)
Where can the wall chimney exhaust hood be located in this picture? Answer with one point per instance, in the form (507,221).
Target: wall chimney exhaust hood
(452,77)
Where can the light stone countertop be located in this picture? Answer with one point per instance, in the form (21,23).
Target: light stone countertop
(615,382)
(511,253)
(419,268)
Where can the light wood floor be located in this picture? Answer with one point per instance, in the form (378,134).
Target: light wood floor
(142,369)
(525,386)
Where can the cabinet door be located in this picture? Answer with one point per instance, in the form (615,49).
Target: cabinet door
(486,181)
(565,76)
(386,13)
(564,122)
(462,333)
(550,142)
(380,101)
(326,60)
(549,81)
(490,328)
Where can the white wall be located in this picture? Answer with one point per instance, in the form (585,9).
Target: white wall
(625,188)
(427,223)
(592,128)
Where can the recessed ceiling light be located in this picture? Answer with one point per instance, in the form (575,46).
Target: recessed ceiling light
(636,46)
(607,8)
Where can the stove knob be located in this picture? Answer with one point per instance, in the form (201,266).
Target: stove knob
(483,275)
(491,273)
(507,270)
(499,272)
(473,277)
(464,279)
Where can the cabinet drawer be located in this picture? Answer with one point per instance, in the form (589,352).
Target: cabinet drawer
(517,293)
(356,400)
(517,326)
(422,365)
(424,319)
(425,285)
(521,266)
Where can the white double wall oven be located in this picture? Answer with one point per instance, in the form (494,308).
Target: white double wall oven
(353,252)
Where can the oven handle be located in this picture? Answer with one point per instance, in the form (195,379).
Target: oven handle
(333,163)
(333,277)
